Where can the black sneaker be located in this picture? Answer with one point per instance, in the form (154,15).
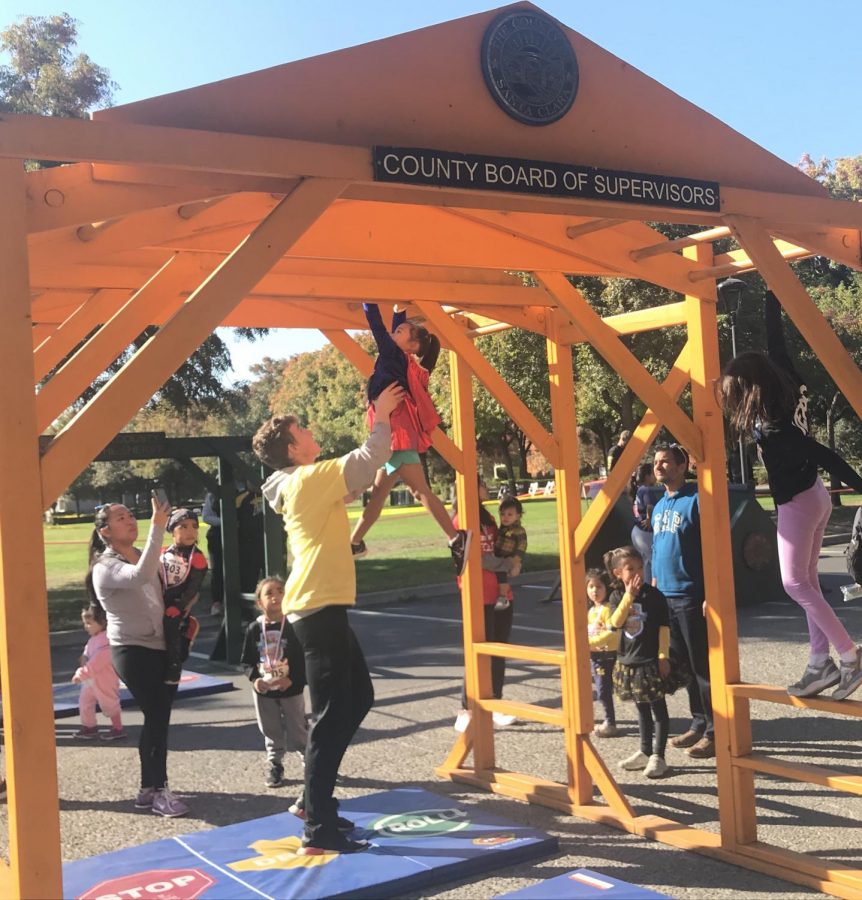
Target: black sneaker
(337,843)
(274,775)
(345,826)
(359,550)
(459,547)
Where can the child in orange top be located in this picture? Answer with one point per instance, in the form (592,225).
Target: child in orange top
(99,682)
(412,423)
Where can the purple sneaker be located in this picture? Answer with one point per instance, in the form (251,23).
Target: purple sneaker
(87,733)
(115,734)
(144,800)
(168,804)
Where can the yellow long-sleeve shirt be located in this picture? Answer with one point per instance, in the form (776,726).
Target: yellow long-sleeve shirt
(602,638)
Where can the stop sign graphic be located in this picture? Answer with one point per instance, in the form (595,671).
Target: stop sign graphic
(156,884)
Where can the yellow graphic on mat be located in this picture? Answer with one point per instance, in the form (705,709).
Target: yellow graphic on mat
(279,854)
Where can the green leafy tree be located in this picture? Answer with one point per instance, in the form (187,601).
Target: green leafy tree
(45,75)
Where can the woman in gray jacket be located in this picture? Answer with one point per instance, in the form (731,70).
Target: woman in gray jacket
(125,582)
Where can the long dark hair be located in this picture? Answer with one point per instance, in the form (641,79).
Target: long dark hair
(752,389)
(95,549)
(485,518)
(639,477)
(429,346)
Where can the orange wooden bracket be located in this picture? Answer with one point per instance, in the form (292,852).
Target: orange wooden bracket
(491,379)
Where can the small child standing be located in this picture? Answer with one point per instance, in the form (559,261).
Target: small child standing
(275,665)
(99,682)
(184,568)
(604,643)
(640,615)
(510,544)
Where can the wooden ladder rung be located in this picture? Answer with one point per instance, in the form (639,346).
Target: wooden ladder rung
(769,765)
(542,655)
(772,694)
(551,716)
(831,874)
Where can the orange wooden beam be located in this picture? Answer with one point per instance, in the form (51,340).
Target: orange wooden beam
(127,391)
(617,355)
(490,378)
(477,668)
(575,675)
(25,656)
(159,296)
(734,809)
(84,140)
(73,330)
(618,478)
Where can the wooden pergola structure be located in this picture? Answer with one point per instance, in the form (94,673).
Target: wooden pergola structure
(285,197)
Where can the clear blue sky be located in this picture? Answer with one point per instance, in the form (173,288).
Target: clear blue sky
(786,75)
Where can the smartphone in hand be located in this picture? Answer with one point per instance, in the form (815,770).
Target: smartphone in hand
(159,494)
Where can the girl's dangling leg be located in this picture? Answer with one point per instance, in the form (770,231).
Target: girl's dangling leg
(383,484)
(414,477)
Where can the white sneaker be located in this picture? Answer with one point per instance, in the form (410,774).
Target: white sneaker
(503,720)
(635,762)
(656,767)
(463,720)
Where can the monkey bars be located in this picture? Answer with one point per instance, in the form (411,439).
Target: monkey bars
(258,201)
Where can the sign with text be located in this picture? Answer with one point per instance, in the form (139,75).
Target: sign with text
(441,168)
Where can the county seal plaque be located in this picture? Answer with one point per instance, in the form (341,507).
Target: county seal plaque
(529,67)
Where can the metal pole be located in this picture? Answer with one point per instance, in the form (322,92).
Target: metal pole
(742,478)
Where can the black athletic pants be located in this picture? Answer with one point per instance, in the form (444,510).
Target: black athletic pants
(341,696)
(498,629)
(653,737)
(143,671)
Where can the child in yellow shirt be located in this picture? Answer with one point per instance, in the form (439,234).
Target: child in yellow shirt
(603,648)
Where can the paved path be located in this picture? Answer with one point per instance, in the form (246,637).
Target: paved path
(414,653)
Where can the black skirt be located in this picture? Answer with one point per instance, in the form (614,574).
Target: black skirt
(643,684)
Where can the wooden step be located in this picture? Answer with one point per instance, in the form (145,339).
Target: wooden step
(806,772)
(542,655)
(772,694)
(529,711)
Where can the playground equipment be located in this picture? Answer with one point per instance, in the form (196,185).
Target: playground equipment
(279,199)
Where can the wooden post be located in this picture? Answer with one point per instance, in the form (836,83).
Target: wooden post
(717,558)
(477,670)
(25,653)
(577,689)
(230,561)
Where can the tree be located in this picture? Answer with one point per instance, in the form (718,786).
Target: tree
(45,76)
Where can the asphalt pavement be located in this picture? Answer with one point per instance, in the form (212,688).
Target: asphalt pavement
(414,653)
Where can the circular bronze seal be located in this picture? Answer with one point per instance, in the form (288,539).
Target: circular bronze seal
(530,67)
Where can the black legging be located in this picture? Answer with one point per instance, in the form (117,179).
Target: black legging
(143,671)
(498,628)
(653,744)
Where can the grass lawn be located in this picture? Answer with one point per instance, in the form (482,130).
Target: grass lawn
(406,549)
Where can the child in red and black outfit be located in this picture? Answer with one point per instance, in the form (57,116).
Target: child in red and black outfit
(412,424)
(183,570)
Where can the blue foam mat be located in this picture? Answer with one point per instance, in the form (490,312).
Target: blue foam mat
(418,838)
(192,684)
(583,884)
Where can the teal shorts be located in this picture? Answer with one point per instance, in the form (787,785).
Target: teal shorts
(399,458)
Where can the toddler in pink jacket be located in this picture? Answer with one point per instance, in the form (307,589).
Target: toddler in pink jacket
(98,680)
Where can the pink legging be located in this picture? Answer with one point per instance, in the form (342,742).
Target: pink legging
(801,526)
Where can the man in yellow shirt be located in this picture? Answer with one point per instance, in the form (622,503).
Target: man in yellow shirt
(310,497)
